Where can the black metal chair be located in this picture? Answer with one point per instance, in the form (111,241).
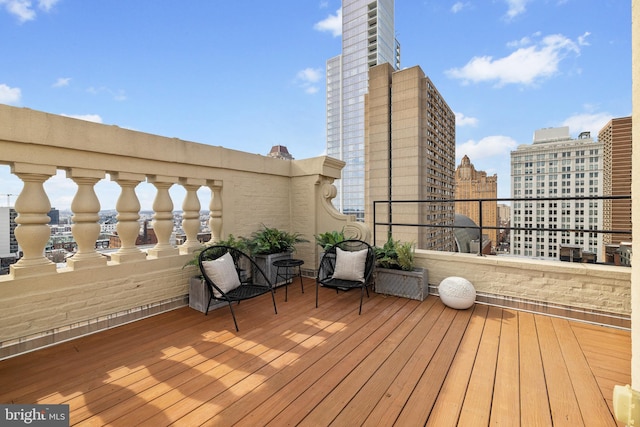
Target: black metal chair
(231,277)
(347,265)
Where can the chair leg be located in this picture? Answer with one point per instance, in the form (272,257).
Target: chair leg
(208,304)
(317,285)
(273,297)
(361,297)
(300,274)
(234,316)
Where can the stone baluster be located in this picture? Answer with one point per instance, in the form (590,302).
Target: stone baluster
(128,207)
(190,216)
(163,216)
(215,210)
(86,227)
(32,232)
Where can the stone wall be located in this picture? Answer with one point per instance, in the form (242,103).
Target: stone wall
(569,286)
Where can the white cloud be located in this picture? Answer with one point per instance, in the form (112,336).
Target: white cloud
(23,10)
(587,122)
(88,117)
(118,95)
(19,8)
(47,5)
(516,7)
(9,95)
(308,78)
(332,23)
(62,81)
(525,41)
(526,66)
(457,7)
(582,40)
(462,120)
(312,75)
(490,146)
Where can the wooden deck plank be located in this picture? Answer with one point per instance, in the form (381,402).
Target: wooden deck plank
(594,408)
(398,392)
(167,370)
(88,355)
(405,365)
(476,408)
(565,410)
(180,372)
(252,408)
(440,347)
(296,379)
(313,336)
(505,410)
(306,395)
(184,368)
(534,406)
(223,368)
(446,410)
(358,367)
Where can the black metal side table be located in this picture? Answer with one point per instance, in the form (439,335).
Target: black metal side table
(286,271)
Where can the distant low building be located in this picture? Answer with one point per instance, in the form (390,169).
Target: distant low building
(280,152)
(467,236)
(147,236)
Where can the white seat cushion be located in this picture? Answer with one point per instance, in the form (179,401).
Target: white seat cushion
(222,272)
(350,265)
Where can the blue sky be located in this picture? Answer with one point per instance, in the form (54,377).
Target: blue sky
(202,70)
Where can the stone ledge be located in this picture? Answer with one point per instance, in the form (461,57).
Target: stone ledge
(596,317)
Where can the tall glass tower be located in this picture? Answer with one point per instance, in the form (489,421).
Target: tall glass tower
(368,39)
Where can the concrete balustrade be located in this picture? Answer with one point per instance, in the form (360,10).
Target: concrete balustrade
(42,304)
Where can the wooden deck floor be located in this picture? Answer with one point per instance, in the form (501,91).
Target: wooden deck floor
(402,362)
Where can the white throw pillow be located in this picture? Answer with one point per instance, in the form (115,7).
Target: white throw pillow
(350,265)
(222,272)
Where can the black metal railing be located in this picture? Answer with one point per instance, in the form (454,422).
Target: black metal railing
(480,227)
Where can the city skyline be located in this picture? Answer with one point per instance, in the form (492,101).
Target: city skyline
(506,68)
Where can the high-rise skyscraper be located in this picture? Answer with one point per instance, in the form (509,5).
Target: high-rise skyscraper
(474,184)
(556,166)
(616,139)
(410,134)
(368,39)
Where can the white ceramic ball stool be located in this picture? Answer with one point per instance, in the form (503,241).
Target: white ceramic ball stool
(457,292)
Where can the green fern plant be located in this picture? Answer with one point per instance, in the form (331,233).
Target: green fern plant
(239,243)
(406,253)
(329,238)
(272,240)
(395,255)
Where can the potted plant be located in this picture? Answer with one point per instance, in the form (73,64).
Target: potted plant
(268,245)
(327,239)
(198,293)
(396,273)
(238,243)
